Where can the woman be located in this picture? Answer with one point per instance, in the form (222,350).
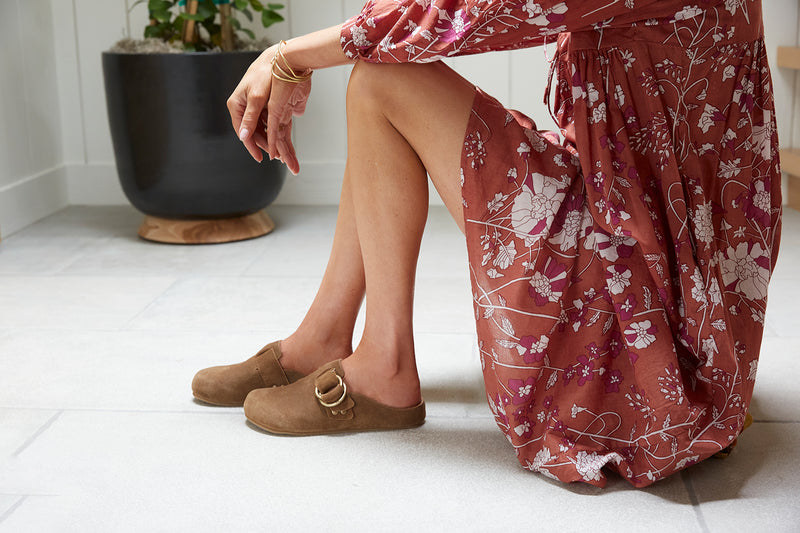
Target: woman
(619,276)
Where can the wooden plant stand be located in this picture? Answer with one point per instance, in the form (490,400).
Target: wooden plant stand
(209,231)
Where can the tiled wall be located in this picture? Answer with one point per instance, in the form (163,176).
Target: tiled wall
(54,141)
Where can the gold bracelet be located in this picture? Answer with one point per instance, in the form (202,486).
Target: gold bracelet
(291,76)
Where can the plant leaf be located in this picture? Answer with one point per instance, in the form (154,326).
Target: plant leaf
(161,16)
(269,17)
(206,12)
(152,31)
(275,6)
(158,5)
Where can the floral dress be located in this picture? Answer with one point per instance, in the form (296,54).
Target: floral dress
(619,269)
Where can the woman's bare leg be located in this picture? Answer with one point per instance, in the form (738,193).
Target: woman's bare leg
(404,121)
(326,332)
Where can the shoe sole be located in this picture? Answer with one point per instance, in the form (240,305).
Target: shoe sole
(217,404)
(328,432)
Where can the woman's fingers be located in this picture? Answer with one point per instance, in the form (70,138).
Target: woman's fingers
(237,103)
(260,138)
(256,100)
(286,148)
(279,115)
(246,104)
(261,131)
(286,101)
(262,110)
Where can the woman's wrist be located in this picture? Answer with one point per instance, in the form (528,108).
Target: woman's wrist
(283,70)
(316,50)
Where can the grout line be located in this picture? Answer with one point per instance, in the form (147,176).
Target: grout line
(128,323)
(13,508)
(78,253)
(211,411)
(38,494)
(698,512)
(36,435)
(127,329)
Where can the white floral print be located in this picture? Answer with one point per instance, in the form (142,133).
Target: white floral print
(536,204)
(746,268)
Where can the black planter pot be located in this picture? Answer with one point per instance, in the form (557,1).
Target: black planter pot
(177,155)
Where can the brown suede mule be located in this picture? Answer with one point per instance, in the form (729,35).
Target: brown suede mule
(320,404)
(229,385)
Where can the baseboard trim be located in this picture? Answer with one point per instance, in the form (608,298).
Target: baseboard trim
(95,184)
(32,198)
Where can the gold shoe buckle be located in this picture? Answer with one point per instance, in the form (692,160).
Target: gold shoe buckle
(341,398)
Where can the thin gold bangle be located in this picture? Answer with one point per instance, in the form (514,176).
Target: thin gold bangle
(291,76)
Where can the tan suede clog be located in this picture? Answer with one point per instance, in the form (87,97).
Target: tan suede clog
(320,404)
(229,385)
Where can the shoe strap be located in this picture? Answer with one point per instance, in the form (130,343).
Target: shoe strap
(331,392)
(270,368)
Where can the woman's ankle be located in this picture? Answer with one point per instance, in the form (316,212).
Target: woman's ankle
(305,355)
(389,380)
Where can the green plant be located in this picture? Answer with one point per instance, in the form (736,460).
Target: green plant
(206,24)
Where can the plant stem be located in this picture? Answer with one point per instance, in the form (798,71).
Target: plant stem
(189,33)
(227,29)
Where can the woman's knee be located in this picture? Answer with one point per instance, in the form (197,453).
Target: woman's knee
(377,85)
(365,87)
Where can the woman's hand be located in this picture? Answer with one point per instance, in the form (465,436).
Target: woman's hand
(262,108)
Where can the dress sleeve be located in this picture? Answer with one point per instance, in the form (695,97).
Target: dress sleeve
(400,31)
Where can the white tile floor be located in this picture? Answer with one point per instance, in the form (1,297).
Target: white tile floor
(100,334)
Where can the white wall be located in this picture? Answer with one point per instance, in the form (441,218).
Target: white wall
(54,142)
(781,29)
(32,180)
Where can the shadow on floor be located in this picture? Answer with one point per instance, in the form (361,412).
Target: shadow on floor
(450,392)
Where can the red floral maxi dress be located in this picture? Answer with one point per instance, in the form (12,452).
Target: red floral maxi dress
(620,276)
